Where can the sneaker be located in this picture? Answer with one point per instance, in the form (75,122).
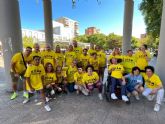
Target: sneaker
(157,107)
(100,96)
(137,97)
(52,92)
(13,96)
(26,101)
(26,95)
(47,99)
(35,100)
(48,109)
(125,98)
(150,97)
(113,96)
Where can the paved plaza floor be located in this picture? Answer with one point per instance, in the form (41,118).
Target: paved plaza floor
(77,109)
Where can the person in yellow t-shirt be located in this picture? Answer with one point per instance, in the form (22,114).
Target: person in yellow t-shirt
(128,62)
(102,61)
(92,49)
(70,56)
(115,54)
(18,68)
(59,56)
(153,87)
(91,80)
(116,70)
(94,61)
(142,58)
(35,52)
(79,85)
(61,78)
(50,80)
(84,59)
(35,79)
(48,55)
(77,50)
(72,69)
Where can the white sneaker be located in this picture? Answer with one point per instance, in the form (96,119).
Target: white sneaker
(125,98)
(100,96)
(137,97)
(157,107)
(52,92)
(150,97)
(113,96)
(47,99)
(26,101)
(48,109)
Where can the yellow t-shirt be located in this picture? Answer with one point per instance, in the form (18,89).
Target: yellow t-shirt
(128,63)
(70,74)
(78,52)
(34,53)
(118,72)
(59,57)
(49,78)
(84,60)
(152,82)
(91,51)
(61,76)
(90,79)
(35,73)
(95,63)
(69,57)
(102,58)
(141,61)
(78,78)
(48,56)
(19,64)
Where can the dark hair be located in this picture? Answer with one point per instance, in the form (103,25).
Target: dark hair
(135,68)
(129,51)
(150,67)
(94,53)
(28,47)
(145,46)
(89,66)
(85,49)
(47,65)
(36,57)
(79,65)
(119,60)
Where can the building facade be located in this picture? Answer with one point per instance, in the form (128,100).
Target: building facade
(92,30)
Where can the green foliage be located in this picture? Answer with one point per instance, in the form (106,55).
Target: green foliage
(28,41)
(152,12)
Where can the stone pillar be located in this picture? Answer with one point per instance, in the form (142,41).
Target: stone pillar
(127,28)
(48,21)
(160,66)
(10,32)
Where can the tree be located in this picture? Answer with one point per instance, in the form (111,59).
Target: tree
(28,41)
(152,12)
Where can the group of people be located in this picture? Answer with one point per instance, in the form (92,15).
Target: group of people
(49,73)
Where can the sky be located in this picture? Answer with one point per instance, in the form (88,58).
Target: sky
(106,16)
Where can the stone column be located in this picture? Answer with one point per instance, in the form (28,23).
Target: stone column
(48,21)
(127,28)
(10,32)
(160,66)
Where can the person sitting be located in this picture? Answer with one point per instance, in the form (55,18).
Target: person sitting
(116,70)
(79,85)
(91,79)
(134,82)
(153,87)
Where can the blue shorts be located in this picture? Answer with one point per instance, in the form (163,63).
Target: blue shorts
(131,88)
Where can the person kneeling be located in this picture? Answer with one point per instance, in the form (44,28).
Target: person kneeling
(91,79)
(134,82)
(153,87)
(34,80)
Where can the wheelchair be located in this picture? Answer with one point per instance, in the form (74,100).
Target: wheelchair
(107,86)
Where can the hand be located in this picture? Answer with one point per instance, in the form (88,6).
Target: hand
(16,75)
(113,69)
(154,91)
